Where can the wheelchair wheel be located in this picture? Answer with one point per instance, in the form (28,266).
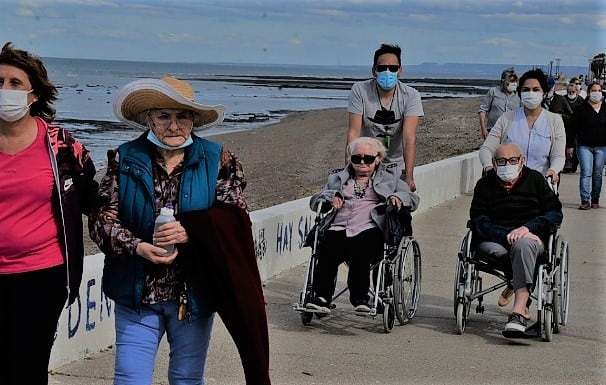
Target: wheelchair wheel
(462,312)
(407,280)
(388,317)
(460,270)
(557,307)
(564,283)
(306,317)
(548,322)
(459,280)
(557,301)
(307,294)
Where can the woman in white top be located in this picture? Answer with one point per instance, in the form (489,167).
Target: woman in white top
(539,133)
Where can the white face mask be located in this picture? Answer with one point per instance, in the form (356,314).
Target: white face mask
(511,87)
(578,86)
(13,104)
(572,96)
(508,173)
(595,96)
(532,99)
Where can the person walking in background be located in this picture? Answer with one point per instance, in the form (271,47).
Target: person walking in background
(578,82)
(539,133)
(383,107)
(556,103)
(47,184)
(177,294)
(574,100)
(589,130)
(498,100)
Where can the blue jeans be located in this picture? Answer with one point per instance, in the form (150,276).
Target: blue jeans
(591,160)
(138,336)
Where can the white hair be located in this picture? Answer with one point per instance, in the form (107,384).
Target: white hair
(376,144)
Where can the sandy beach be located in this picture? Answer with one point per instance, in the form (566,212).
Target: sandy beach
(291,159)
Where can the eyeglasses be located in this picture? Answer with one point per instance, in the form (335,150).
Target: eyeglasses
(368,159)
(163,120)
(385,67)
(505,161)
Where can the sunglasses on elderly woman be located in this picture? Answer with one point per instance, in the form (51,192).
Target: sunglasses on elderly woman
(368,159)
(385,67)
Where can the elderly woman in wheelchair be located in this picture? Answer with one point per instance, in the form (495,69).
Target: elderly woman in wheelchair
(353,231)
(513,215)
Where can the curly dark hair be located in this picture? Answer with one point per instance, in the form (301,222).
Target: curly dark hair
(534,74)
(43,88)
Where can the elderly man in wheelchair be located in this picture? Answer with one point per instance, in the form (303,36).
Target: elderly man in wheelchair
(353,231)
(512,215)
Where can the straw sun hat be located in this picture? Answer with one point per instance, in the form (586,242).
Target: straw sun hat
(168,92)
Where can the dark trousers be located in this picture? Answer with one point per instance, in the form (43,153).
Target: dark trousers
(359,252)
(30,306)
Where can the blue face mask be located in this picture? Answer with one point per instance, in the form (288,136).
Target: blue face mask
(154,139)
(387,80)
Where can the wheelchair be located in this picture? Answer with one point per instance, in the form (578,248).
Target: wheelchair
(551,290)
(395,285)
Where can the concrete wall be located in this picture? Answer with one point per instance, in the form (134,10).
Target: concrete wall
(278,231)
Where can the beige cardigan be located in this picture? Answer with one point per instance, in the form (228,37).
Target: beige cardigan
(496,136)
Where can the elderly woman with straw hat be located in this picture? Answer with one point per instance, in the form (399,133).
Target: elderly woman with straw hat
(167,166)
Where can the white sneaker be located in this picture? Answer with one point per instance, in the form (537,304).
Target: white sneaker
(362,307)
(318,304)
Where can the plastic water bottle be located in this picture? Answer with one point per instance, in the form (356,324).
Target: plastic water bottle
(166,215)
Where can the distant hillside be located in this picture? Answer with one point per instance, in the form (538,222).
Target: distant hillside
(480,71)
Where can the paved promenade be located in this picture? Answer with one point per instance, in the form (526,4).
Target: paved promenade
(348,349)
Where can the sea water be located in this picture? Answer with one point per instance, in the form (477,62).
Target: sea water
(253,94)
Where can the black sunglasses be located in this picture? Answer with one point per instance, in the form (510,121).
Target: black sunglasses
(384,67)
(368,159)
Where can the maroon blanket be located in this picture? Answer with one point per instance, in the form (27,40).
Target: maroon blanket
(221,252)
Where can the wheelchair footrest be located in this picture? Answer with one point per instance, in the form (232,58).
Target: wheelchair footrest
(530,332)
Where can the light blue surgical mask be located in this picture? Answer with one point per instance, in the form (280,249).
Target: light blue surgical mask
(387,79)
(154,139)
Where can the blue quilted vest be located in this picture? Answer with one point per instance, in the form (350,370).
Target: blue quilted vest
(124,276)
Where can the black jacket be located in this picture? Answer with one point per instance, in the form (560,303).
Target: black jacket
(494,211)
(588,126)
(74,194)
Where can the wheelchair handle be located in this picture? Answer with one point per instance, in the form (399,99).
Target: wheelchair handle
(319,210)
(554,186)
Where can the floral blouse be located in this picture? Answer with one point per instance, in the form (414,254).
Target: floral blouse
(162,282)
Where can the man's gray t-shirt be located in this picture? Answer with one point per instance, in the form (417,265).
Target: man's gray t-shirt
(364,100)
(495,103)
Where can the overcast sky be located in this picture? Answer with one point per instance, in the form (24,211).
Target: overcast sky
(332,32)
